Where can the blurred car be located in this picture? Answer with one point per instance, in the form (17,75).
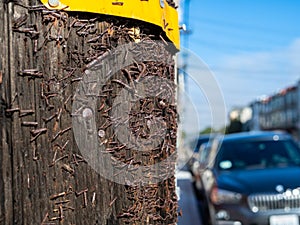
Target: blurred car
(198,166)
(195,146)
(193,164)
(251,179)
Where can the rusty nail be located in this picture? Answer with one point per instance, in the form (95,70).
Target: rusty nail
(68,168)
(81,192)
(27,123)
(85,199)
(55,196)
(113,201)
(94,199)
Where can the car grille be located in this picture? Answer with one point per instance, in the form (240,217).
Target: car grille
(274,202)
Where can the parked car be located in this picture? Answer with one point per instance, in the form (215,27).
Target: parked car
(195,146)
(251,179)
(193,164)
(198,166)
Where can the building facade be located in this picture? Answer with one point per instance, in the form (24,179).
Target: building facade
(279,111)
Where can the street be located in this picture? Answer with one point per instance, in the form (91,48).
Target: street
(187,200)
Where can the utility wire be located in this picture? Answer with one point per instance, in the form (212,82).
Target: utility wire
(240,26)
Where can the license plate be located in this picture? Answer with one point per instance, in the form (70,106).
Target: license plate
(284,220)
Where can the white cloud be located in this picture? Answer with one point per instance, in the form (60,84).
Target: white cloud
(242,78)
(252,62)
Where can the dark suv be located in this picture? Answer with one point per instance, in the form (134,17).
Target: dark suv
(252,179)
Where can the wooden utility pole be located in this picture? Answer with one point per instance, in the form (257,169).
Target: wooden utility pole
(44,178)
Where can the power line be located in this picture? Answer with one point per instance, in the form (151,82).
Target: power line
(245,26)
(265,37)
(217,44)
(238,32)
(225,69)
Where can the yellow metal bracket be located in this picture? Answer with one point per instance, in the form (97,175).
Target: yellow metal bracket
(156,12)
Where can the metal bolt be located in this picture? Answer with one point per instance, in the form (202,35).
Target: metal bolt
(53,3)
(162,103)
(101,133)
(149,123)
(162,3)
(87,113)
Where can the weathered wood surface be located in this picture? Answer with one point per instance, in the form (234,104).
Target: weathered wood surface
(43,178)
(6,201)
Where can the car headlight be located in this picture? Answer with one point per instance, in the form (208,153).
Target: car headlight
(220,196)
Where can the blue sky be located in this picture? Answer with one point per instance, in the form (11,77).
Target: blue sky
(252,48)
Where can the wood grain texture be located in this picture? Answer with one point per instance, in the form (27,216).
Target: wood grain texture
(44,179)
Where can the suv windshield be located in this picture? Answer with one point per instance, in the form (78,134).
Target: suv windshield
(257,155)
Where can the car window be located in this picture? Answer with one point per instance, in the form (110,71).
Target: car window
(257,155)
(200,141)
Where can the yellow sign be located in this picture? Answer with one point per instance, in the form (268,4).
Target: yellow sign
(157,12)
